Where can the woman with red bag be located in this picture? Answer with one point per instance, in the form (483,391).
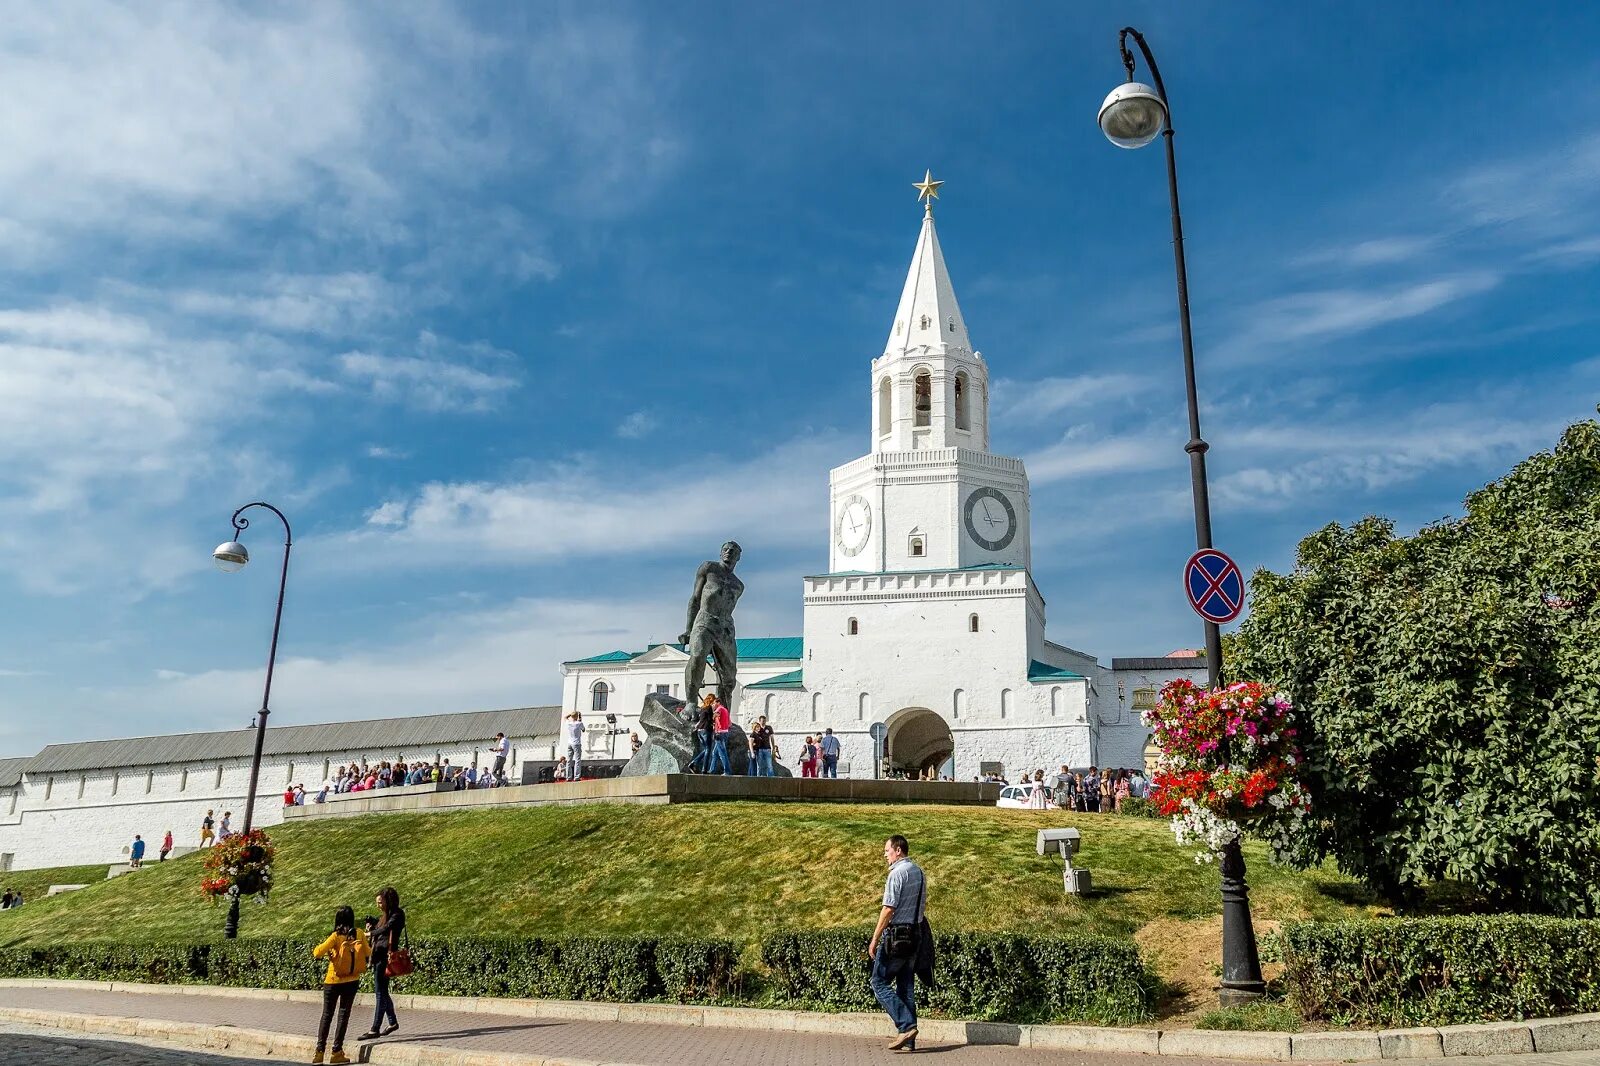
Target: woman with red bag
(389,959)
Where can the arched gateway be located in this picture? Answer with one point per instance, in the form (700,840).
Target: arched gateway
(919,741)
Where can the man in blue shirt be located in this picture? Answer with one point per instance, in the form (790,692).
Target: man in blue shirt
(830,753)
(137,858)
(894,973)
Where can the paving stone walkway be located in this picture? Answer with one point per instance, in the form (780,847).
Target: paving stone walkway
(618,1042)
(648,1045)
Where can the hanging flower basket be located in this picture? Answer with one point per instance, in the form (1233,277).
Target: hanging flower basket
(240,865)
(1229,762)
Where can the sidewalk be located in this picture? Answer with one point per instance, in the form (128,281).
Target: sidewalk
(558,1042)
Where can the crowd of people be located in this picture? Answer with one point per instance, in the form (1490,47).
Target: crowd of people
(818,755)
(1094,790)
(364,776)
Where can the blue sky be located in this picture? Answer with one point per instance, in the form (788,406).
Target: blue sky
(520,310)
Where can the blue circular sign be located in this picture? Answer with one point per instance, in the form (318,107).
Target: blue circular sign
(1214,586)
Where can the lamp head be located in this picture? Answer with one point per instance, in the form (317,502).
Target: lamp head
(1133,115)
(230,556)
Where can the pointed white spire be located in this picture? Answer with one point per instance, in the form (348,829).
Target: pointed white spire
(928,313)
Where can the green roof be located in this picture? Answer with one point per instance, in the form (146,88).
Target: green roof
(1038,671)
(772,648)
(618,656)
(749,648)
(790,680)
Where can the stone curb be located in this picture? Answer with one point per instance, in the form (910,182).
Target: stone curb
(1579,1032)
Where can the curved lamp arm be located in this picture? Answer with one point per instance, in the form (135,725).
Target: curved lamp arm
(241,523)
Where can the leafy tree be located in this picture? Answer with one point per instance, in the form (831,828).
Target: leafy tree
(1449,687)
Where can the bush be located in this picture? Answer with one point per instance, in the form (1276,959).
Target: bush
(1447,686)
(1135,807)
(623,969)
(1442,971)
(986,976)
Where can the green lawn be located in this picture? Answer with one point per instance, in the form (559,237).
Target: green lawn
(33,884)
(731,869)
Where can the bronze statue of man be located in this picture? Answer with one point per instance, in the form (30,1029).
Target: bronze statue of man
(710,627)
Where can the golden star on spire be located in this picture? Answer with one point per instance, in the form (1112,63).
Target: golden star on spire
(927,189)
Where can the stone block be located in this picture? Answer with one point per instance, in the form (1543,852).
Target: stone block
(824,788)
(1001,1034)
(865,790)
(1421,1042)
(659,1014)
(1320,1047)
(1577,1032)
(562,1009)
(957,792)
(778,1021)
(1094,1038)
(844,1024)
(289,1045)
(1273,1047)
(716,785)
(1494,1038)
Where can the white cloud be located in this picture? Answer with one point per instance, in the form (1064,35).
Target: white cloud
(772,498)
(1376,251)
(1080,454)
(1278,327)
(1291,463)
(502,657)
(428,384)
(159,116)
(1541,191)
(636,425)
(381,451)
(336,304)
(1039,399)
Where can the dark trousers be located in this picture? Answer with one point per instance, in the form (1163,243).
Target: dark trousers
(343,996)
(894,985)
(500,769)
(385,1006)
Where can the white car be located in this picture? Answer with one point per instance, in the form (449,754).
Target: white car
(1015,797)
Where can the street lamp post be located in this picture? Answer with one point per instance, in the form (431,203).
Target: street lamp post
(1132,116)
(231,557)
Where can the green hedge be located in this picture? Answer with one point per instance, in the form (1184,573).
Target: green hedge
(621,969)
(983,976)
(1442,971)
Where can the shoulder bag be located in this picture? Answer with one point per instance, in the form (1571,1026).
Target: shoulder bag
(902,939)
(399,962)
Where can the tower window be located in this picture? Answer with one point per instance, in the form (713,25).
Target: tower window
(972,623)
(885,407)
(601,697)
(926,321)
(924,399)
(963,413)
(919,547)
(952,323)
(852,627)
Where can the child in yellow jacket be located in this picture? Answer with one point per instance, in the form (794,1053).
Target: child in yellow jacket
(347,952)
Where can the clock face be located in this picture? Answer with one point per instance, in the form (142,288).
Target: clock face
(853,528)
(990,518)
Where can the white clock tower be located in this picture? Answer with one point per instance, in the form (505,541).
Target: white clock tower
(924,648)
(930,495)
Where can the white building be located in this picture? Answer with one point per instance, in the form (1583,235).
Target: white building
(928,620)
(82,803)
